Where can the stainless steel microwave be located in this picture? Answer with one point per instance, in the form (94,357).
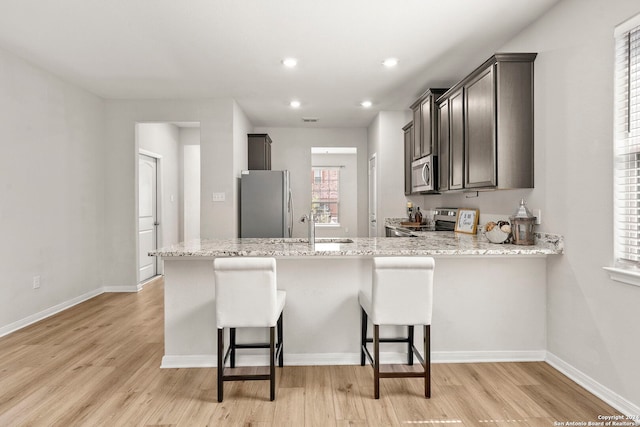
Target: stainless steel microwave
(423,175)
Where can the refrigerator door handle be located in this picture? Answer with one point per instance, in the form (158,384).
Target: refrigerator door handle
(290,203)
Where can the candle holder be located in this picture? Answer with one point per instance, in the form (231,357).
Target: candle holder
(522,225)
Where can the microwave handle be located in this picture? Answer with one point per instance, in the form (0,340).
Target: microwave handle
(426,174)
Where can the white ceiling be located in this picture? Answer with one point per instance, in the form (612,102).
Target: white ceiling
(168,49)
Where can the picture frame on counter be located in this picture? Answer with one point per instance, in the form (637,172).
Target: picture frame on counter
(467,221)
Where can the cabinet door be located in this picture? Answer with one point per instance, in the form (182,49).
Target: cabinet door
(443,143)
(426,141)
(480,130)
(408,157)
(267,154)
(259,147)
(456,140)
(417,132)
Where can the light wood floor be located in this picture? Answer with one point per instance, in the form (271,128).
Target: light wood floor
(98,364)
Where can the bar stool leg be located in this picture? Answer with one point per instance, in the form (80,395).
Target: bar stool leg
(363,334)
(232,343)
(427,361)
(272,364)
(220,363)
(376,362)
(410,346)
(280,341)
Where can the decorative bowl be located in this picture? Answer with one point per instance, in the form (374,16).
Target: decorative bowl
(495,235)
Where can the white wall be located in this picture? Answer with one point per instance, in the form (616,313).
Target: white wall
(217,219)
(593,322)
(51,187)
(163,139)
(190,183)
(291,150)
(241,127)
(373,147)
(348,190)
(386,139)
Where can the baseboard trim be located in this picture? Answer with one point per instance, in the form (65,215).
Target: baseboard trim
(134,288)
(488,356)
(29,320)
(607,395)
(322,359)
(189,361)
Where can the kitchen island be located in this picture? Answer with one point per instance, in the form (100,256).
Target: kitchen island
(489,300)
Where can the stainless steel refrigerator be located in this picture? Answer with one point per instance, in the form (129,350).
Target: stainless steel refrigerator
(266,207)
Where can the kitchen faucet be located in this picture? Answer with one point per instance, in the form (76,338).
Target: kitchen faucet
(311,225)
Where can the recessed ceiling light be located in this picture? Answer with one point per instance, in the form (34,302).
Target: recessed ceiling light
(294,104)
(290,62)
(390,62)
(366,104)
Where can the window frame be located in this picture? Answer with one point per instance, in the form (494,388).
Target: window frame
(338,198)
(626,156)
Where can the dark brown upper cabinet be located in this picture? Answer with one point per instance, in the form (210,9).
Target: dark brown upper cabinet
(456,138)
(490,129)
(424,124)
(443,132)
(417,130)
(480,130)
(408,156)
(259,151)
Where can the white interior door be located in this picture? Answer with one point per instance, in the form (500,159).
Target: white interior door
(373,197)
(147,215)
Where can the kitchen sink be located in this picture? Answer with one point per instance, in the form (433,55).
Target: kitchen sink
(333,240)
(319,240)
(325,247)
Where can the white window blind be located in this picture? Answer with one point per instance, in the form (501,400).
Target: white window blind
(627,148)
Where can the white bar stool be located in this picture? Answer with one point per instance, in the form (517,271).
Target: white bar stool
(401,294)
(247,296)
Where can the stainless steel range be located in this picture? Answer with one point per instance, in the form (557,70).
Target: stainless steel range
(445,220)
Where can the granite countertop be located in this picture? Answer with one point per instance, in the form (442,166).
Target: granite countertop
(428,244)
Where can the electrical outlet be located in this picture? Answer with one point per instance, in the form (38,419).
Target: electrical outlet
(36,282)
(538,214)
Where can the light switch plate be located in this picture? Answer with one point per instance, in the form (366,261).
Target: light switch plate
(218,197)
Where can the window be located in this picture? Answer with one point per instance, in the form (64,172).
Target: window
(325,194)
(627,145)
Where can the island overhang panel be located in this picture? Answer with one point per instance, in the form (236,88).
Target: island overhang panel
(489,301)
